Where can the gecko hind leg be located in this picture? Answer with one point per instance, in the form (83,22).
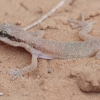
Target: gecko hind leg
(83,23)
(85,27)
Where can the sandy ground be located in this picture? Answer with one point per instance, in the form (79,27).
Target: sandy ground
(75,79)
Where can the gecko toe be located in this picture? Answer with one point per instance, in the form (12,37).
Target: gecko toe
(17,73)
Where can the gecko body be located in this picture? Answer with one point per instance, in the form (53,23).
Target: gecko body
(50,49)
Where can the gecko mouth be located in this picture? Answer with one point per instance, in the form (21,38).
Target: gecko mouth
(12,38)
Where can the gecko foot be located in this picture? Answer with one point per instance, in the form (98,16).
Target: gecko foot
(83,23)
(17,73)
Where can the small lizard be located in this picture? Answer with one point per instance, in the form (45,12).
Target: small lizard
(6,35)
(50,49)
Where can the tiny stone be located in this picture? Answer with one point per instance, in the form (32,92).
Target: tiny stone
(18,23)
(1,94)
(49,71)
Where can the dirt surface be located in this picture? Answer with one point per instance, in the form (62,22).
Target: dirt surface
(75,79)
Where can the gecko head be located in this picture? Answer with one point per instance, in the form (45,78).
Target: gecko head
(8,32)
(3,33)
(4,29)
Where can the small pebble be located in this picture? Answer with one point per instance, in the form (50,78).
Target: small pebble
(1,94)
(49,71)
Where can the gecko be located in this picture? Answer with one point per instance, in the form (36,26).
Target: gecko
(10,28)
(38,47)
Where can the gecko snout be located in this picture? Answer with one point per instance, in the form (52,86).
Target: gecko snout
(3,33)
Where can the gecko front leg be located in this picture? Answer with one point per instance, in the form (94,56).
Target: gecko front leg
(31,67)
(38,34)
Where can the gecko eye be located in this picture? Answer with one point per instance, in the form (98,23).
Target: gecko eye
(3,33)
